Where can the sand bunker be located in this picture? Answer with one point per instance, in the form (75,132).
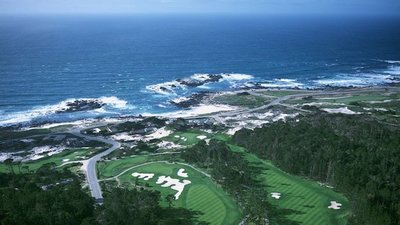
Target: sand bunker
(201,137)
(174,184)
(160,133)
(343,110)
(183,139)
(168,145)
(144,176)
(182,173)
(96,130)
(335,205)
(276,195)
(124,137)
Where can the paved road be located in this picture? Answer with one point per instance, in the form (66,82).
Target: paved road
(89,165)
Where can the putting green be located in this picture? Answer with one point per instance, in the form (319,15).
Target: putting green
(201,195)
(307,199)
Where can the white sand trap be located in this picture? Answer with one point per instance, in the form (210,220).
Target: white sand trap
(174,184)
(168,145)
(182,173)
(144,176)
(276,195)
(65,160)
(201,137)
(160,133)
(96,130)
(343,110)
(123,137)
(233,130)
(177,136)
(335,205)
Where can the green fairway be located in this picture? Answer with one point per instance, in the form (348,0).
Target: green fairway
(189,135)
(107,169)
(308,199)
(201,195)
(250,101)
(66,155)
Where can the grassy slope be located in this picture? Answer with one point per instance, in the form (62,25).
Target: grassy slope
(309,199)
(112,168)
(201,195)
(72,154)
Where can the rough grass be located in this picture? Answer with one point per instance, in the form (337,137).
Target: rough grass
(202,195)
(250,101)
(281,93)
(112,168)
(31,166)
(307,199)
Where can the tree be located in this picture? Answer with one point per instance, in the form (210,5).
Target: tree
(170,199)
(9,163)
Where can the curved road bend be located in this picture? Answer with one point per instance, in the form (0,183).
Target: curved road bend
(89,165)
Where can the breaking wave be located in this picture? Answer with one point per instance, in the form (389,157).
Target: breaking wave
(69,109)
(196,81)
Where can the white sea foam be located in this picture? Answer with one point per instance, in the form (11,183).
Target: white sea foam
(169,87)
(202,109)
(393,70)
(43,111)
(237,76)
(165,88)
(392,61)
(282,83)
(360,80)
(180,99)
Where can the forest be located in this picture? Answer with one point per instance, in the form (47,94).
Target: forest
(355,154)
(51,197)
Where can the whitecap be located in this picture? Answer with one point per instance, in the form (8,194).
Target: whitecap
(393,70)
(357,80)
(48,110)
(282,83)
(392,61)
(237,76)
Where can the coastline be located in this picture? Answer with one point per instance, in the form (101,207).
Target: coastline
(204,106)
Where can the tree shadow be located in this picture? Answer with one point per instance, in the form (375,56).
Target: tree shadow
(181,216)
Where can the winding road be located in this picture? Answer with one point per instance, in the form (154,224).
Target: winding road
(89,165)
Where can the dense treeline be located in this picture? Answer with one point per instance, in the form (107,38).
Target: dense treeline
(357,156)
(24,200)
(237,177)
(49,197)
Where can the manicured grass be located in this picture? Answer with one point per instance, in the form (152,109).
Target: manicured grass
(190,135)
(250,101)
(347,99)
(71,154)
(201,195)
(308,199)
(281,93)
(111,168)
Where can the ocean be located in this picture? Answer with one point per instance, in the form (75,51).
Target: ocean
(130,63)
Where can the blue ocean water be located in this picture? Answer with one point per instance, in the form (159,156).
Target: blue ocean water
(45,61)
